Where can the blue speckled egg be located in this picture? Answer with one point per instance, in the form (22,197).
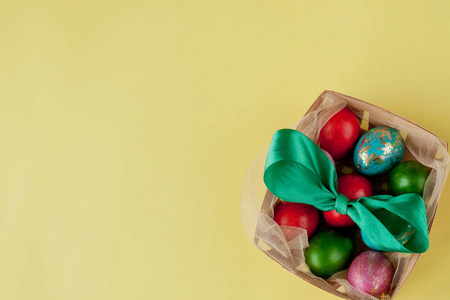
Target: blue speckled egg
(378,150)
(402,237)
(368,242)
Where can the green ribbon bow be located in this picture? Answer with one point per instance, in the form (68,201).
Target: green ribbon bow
(297,170)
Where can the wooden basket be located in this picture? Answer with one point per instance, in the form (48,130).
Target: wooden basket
(370,116)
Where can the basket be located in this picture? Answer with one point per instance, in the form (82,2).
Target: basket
(257,202)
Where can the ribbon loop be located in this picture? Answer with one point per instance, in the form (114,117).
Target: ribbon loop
(341,204)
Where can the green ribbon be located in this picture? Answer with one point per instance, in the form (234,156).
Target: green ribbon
(297,170)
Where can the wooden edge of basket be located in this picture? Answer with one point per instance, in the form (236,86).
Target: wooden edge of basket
(443,142)
(298,274)
(307,279)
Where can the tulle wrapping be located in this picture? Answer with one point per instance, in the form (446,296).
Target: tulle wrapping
(257,203)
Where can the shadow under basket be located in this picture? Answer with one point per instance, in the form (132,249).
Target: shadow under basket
(257,203)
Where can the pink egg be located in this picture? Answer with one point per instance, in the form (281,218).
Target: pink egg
(330,157)
(372,273)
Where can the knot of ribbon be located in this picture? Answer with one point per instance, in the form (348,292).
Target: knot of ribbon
(341,204)
(297,170)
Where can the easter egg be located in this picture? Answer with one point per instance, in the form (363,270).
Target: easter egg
(403,236)
(353,187)
(368,242)
(408,177)
(371,272)
(378,150)
(296,215)
(328,252)
(340,133)
(330,157)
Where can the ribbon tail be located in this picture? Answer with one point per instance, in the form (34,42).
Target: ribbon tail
(386,219)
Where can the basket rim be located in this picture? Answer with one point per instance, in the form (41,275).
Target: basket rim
(442,141)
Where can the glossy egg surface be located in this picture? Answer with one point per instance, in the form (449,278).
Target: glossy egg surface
(378,150)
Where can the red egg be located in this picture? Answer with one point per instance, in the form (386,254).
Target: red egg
(353,187)
(296,215)
(340,133)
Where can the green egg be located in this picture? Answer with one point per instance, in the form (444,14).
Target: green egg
(408,177)
(328,252)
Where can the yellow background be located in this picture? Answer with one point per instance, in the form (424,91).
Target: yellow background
(126,129)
